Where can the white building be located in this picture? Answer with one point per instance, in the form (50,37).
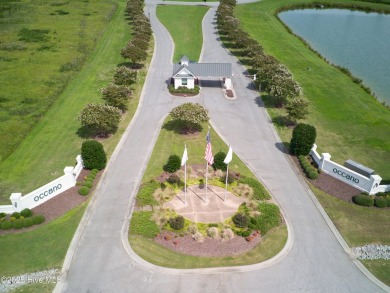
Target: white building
(186,73)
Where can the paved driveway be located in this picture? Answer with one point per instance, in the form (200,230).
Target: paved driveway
(100,259)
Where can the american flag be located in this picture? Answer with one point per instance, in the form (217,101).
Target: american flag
(209,155)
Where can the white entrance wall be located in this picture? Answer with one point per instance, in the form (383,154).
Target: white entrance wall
(369,184)
(46,192)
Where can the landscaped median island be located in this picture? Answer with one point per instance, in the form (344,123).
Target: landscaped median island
(183,220)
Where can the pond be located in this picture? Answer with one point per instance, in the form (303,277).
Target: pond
(356,40)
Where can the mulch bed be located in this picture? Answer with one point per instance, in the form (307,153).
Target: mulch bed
(209,248)
(331,185)
(59,205)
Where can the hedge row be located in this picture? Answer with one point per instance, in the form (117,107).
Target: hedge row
(308,168)
(24,219)
(369,200)
(88,182)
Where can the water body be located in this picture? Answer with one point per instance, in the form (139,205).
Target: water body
(356,40)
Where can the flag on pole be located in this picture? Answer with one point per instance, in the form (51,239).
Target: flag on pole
(209,155)
(229,156)
(184,158)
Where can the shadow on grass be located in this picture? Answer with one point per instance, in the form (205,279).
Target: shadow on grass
(131,65)
(85,132)
(182,128)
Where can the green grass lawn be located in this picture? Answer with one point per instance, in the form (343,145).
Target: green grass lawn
(184,23)
(35,288)
(360,226)
(54,142)
(40,249)
(350,123)
(37,65)
(170,142)
(152,252)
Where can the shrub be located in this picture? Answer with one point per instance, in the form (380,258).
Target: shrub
(380,194)
(363,200)
(6,225)
(218,161)
(2,215)
(176,223)
(173,164)
(83,190)
(259,192)
(192,229)
(93,155)
(173,179)
(213,225)
(17,224)
(16,215)
(309,169)
(101,118)
(26,213)
(244,233)
(198,237)
(38,219)
(303,138)
(27,222)
(380,202)
(88,184)
(213,232)
(240,220)
(388,200)
(313,174)
(94,171)
(90,177)
(227,234)
(230,178)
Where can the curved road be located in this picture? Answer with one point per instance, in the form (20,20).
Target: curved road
(100,259)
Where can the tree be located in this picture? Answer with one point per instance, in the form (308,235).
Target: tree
(116,95)
(297,108)
(134,53)
(101,118)
(93,155)
(190,115)
(125,76)
(283,86)
(303,138)
(173,164)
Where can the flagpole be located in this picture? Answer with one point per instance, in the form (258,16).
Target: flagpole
(227,175)
(207,172)
(185,182)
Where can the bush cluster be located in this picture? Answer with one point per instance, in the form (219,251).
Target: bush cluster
(24,219)
(184,90)
(176,223)
(231,178)
(173,179)
(363,200)
(173,164)
(310,171)
(303,138)
(380,202)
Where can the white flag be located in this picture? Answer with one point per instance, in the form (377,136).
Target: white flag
(229,156)
(185,157)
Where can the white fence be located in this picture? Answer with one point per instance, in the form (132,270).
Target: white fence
(46,192)
(369,184)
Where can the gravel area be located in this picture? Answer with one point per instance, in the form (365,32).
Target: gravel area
(45,277)
(372,252)
(210,247)
(59,205)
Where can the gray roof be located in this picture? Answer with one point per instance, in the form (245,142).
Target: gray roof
(206,69)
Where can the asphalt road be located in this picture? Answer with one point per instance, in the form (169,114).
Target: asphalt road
(100,259)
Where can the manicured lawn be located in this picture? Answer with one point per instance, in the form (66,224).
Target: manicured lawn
(54,142)
(35,288)
(350,123)
(170,142)
(358,225)
(40,249)
(380,268)
(272,243)
(184,23)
